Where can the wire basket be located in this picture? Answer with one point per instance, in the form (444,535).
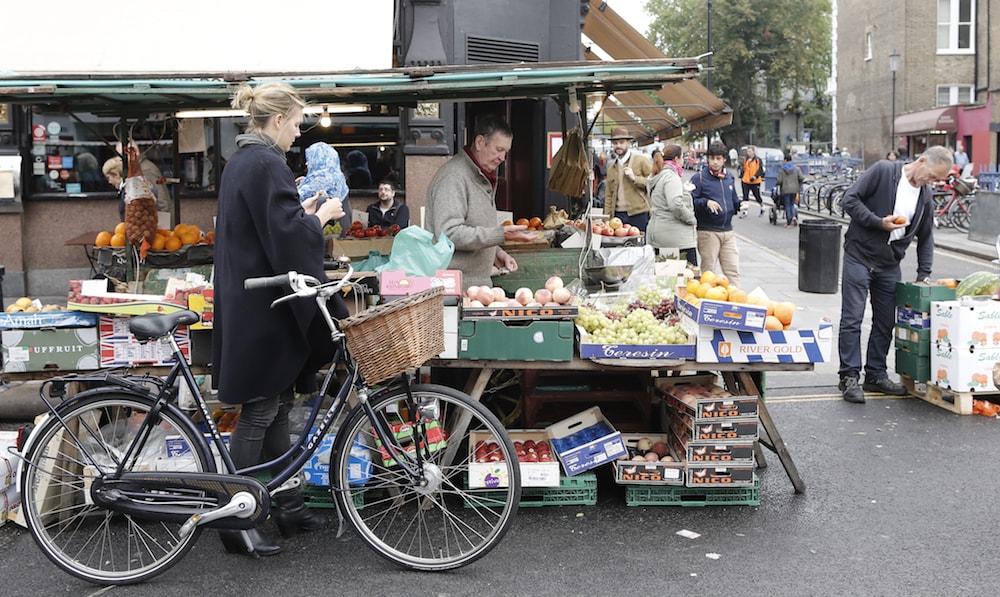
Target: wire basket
(397,336)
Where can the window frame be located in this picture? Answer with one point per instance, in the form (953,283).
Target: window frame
(955,93)
(954,26)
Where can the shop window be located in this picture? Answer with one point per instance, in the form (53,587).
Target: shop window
(956,26)
(68,153)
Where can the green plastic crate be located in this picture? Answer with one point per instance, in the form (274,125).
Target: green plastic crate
(916,366)
(578,490)
(919,296)
(668,495)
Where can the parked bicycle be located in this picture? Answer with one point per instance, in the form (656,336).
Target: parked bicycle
(954,200)
(105,502)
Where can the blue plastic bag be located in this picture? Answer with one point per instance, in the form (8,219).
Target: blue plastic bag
(415,252)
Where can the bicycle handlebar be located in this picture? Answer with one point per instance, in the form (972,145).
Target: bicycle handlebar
(266,282)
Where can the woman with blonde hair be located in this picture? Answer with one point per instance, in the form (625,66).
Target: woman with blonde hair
(259,353)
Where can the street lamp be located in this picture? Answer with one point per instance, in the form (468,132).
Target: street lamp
(893,68)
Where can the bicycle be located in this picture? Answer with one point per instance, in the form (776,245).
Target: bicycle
(105,506)
(954,200)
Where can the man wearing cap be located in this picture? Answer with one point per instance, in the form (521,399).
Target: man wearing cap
(626,196)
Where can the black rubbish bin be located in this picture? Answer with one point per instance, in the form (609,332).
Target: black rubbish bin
(819,256)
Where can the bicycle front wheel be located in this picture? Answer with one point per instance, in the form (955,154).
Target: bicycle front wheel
(960,213)
(449,517)
(62,462)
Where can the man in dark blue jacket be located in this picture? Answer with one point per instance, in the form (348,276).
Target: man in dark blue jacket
(715,204)
(887,193)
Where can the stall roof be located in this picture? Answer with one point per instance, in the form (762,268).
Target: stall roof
(695,105)
(132,94)
(937,119)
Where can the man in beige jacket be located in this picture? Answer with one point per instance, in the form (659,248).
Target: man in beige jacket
(626,196)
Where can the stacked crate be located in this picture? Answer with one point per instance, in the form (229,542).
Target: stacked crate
(912,330)
(714,433)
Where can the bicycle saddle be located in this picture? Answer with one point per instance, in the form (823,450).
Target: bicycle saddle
(154,325)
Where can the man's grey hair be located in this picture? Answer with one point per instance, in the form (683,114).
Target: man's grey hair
(938,154)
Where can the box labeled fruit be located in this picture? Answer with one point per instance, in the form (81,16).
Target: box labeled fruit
(120,348)
(359,463)
(512,313)
(788,346)
(50,349)
(709,475)
(639,470)
(719,453)
(965,344)
(538,462)
(96,296)
(433,440)
(721,314)
(589,350)
(688,430)
(516,340)
(914,319)
(707,402)
(47,319)
(585,440)
(399,283)
(914,340)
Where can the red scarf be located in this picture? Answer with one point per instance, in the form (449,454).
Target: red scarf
(490,176)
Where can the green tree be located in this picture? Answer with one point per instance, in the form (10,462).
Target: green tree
(765,52)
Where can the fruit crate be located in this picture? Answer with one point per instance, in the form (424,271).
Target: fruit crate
(579,490)
(667,495)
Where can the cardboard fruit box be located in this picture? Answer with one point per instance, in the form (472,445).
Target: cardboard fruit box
(714,431)
(47,319)
(585,440)
(702,400)
(95,296)
(722,314)
(709,475)
(641,472)
(393,283)
(120,348)
(533,474)
(806,345)
(519,313)
(654,352)
(66,349)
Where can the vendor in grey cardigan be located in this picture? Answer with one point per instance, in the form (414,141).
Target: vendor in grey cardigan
(461,203)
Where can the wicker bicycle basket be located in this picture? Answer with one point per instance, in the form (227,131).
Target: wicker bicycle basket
(397,336)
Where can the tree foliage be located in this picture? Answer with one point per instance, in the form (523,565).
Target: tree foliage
(765,52)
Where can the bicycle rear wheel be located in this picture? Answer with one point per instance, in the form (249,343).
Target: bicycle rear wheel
(84,539)
(438,523)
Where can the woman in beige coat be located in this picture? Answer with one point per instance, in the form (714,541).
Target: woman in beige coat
(672,222)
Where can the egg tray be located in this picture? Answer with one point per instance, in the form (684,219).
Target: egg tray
(667,495)
(579,490)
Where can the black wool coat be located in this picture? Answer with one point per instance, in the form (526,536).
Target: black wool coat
(262,230)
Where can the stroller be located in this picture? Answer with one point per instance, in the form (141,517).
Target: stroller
(777,205)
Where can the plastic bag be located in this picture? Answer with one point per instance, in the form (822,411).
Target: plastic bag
(373,263)
(415,252)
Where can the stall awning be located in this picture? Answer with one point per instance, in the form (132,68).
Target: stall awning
(938,119)
(127,94)
(697,107)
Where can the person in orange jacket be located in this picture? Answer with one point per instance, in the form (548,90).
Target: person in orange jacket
(751,175)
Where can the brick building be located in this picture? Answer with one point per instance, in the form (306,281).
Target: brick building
(948,73)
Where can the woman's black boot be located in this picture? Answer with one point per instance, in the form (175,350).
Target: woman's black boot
(291,515)
(248,543)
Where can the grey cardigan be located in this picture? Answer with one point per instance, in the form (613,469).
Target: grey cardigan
(672,222)
(461,203)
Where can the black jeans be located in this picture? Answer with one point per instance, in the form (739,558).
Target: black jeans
(261,432)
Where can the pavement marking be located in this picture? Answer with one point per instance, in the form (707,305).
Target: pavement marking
(827,397)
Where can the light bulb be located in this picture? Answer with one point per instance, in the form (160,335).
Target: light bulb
(324,121)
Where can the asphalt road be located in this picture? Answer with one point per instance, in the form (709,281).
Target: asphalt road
(898,502)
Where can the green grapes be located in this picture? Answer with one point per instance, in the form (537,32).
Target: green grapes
(639,326)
